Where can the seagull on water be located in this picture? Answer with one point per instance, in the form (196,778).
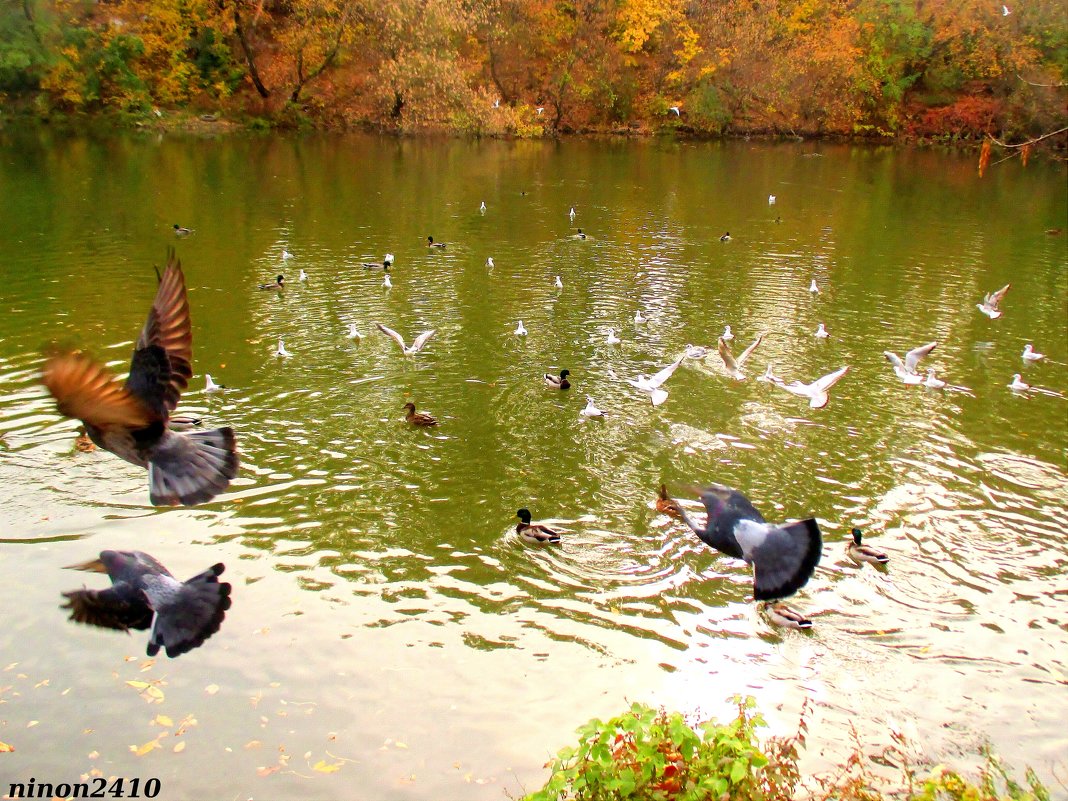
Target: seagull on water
(387,283)
(727,335)
(639,317)
(612,339)
(571,214)
(591,410)
(303,276)
(815,290)
(1030,355)
(211,386)
(931,382)
(771,200)
(1018,385)
(558,283)
(286,255)
(417,344)
(520,331)
(353,333)
(821,332)
(489,262)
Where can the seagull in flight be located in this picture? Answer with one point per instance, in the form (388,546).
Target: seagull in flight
(906,370)
(816,392)
(991,301)
(652,384)
(416,346)
(540,110)
(676,111)
(734,363)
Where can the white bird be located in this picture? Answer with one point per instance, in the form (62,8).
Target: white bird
(571,214)
(303,276)
(769,376)
(813,288)
(210,385)
(639,317)
(1030,355)
(771,200)
(286,255)
(520,331)
(353,333)
(1018,385)
(558,283)
(612,339)
(1005,11)
(489,262)
(734,363)
(482,208)
(989,306)
(727,335)
(676,110)
(651,384)
(906,370)
(387,283)
(416,346)
(591,410)
(497,103)
(696,351)
(931,382)
(821,332)
(281,351)
(540,109)
(387,260)
(816,392)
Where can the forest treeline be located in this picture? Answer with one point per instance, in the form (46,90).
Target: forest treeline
(952,69)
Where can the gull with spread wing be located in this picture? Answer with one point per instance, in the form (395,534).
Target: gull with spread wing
(991,302)
(651,384)
(817,391)
(734,363)
(906,370)
(416,346)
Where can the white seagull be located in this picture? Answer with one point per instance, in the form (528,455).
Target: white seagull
(387,283)
(303,276)
(281,350)
(931,382)
(771,200)
(639,317)
(591,410)
(387,260)
(727,336)
(696,351)
(540,110)
(770,377)
(286,255)
(821,332)
(816,392)
(1005,11)
(571,214)
(1030,355)
(353,333)
(482,208)
(813,288)
(520,331)
(558,283)
(676,110)
(211,386)
(734,363)
(416,346)
(612,339)
(906,370)
(989,306)
(651,384)
(1017,385)
(489,262)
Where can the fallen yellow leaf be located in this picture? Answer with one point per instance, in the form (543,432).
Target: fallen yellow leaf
(179,747)
(325,767)
(5,748)
(253,744)
(211,689)
(144,749)
(163,720)
(261,771)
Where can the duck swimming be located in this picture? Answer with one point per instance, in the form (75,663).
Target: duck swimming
(430,243)
(859,552)
(535,532)
(181,232)
(667,505)
(418,418)
(561,382)
(279,283)
(782,615)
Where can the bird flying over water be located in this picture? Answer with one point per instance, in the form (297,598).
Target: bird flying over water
(991,303)
(131,419)
(417,344)
(783,557)
(816,392)
(906,370)
(651,384)
(144,594)
(734,363)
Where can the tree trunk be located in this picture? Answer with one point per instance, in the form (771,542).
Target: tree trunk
(247,50)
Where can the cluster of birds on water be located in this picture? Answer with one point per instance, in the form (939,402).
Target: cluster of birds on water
(135,420)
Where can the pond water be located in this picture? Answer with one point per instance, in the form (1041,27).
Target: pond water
(390,635)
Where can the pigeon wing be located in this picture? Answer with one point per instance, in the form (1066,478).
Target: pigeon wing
(120,607)
(86,390)
(786,559)
(162,360)
(189,616)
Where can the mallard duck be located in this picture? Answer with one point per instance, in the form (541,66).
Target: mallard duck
(183,422)
(931,382)
(734,363)
(1029,354)
(375,265)
(82,442)
(534,532)
(906,370)
(782,615)
(278,283)
(520,331)
(816,392)
(561,382)
(783,557)
(143,593)
(210,385)
(131,419)
(590,410)
(430,243)
(821,332)
(859,552)
(726,237)
(1018,384)
(612,339)
(667,505)
(418,418)
(417,344)
(580,235)
(281,349)
(991,302)
(181,231)
(651,384)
